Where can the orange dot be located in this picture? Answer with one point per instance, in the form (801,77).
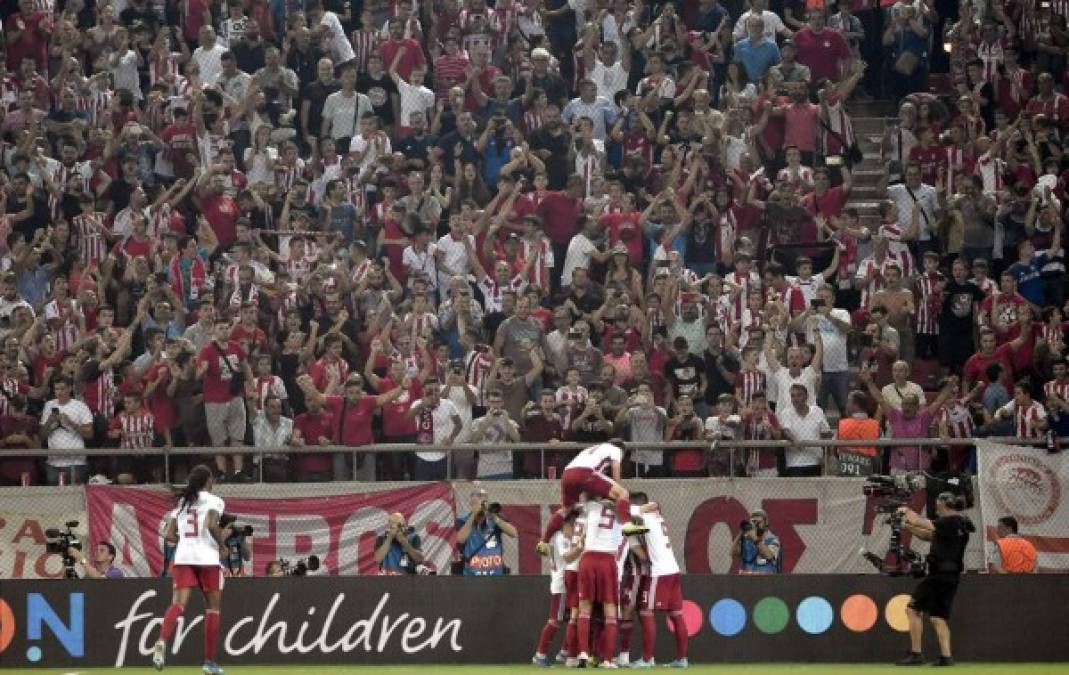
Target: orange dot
(895,613)
(859,613)
(7,625)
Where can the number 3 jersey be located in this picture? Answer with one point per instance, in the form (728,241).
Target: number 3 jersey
(195,543)
(662,559)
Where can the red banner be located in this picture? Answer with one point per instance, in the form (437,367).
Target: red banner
(340,529)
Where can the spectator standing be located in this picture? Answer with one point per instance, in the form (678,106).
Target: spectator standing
(802,422)
(66,423)
(437,423)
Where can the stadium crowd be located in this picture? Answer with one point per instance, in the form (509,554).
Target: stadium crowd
(322,222)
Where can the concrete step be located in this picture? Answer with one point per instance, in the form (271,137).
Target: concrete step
(871,108)
(865,207)
(868,126)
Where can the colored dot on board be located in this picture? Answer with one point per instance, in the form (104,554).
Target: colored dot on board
(33,654)
(895,613)
(814,615)
(771,615)
(692,618)
(859,613)
(727,617)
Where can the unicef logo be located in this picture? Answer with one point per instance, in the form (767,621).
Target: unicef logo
(1025,487)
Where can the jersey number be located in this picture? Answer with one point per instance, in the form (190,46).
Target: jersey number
(608,519)
(664,530)
(191,524)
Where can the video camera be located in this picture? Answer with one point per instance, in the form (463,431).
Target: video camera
(301,568)
(61,541)
(895,492)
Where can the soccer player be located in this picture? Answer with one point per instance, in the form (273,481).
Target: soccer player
(561,596)
(632,571)
(195,528)
(586,474)
(599,581)
(660,590)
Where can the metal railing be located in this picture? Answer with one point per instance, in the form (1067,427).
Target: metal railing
(730,447)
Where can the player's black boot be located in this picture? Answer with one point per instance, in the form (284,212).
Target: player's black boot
(943,661)
(914,659)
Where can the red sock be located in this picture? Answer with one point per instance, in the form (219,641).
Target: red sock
(548,631)
(556,520)
(584,634)
(680,628)
(608,644)
(571,634)
(211,633)
(627,628)
(170,619)
(649,634)
(623,510)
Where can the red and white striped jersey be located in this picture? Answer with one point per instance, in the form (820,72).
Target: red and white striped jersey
(135,429)
(269,385)
(1026,420)
(164,68)
(88,230)
(839,126)
(365,42)
(95,105)
(574,399)
(864,268)
(1057,388)
(748,383)
(493,292)
(991,170)
(421,324)
(477,367)
(543,252)
(533,120)
(958,421)
(929,302)
(286,176)
(747,284)
(992,55)
(897,248)
(67,332)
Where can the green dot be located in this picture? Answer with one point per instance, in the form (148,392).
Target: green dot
(771,615)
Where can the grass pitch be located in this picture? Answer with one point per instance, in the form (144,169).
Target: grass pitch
(696,669)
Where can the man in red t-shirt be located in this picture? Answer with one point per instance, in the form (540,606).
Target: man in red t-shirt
(999,310)
(27,33)
(825,200)
(820,48)
(317,427)
(219,364)
(247,333)
(413,53)
(624,229)
(929,155)
(180,143)
(352,419)
(560,216)
(976,366)
(219,209)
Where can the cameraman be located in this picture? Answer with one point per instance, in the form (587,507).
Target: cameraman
(397,550)
(949,535)
(757,547)
(102,565)
(479,537)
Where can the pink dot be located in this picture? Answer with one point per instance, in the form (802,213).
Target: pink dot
(692,616)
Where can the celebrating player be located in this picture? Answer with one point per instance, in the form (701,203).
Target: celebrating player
(195,528)
(586,474)
(599,581)
(563,562)
(630,560)
(660,588)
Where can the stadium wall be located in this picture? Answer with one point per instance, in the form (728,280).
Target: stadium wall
(426,620)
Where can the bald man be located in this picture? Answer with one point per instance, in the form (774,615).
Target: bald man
(398,549)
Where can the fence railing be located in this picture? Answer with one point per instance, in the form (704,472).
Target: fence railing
(728,447)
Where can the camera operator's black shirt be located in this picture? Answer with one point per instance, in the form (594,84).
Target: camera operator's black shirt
(947,554)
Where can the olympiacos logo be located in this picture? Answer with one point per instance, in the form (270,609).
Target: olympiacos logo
(1026,487)
(69,632)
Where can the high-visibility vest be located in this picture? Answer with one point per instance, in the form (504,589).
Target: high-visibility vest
(859,429)
(1018,555)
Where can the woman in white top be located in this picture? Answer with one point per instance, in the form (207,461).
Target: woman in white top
(197,537)
(260,158)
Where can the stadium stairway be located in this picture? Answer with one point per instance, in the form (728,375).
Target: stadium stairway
(869,118)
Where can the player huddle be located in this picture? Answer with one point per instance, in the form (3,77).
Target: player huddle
(610,555)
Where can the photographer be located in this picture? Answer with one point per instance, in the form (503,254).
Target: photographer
(479,537)
(949,536)
(397,550)
(757,547)
(103,564)
(235,550)
(274,569)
